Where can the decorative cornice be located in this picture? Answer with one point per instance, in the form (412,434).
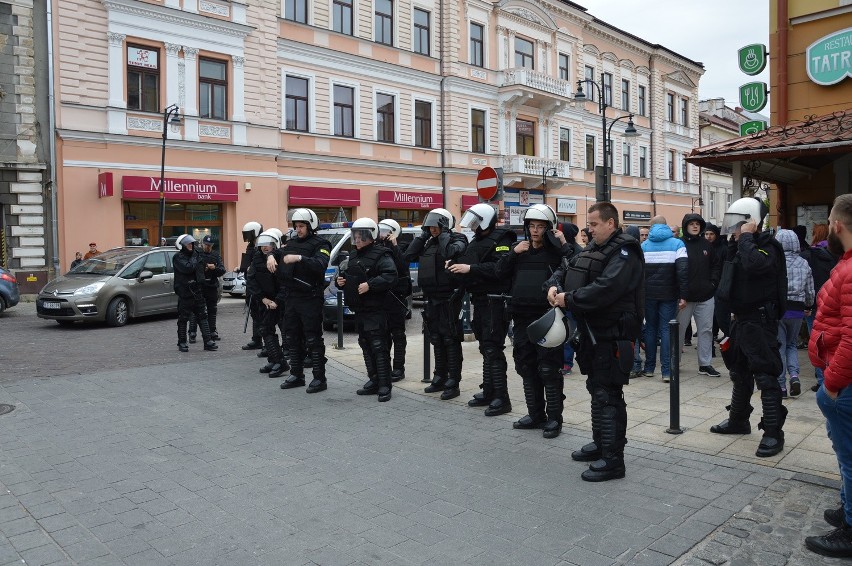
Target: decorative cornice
(172,49)
(525,14)
(238,61)
(116,39)
(144,124)
(171,15)
(214,8)
(209,131)
(190,52)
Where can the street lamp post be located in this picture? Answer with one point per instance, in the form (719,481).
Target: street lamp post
(171,115)
(604,194)
(544,173)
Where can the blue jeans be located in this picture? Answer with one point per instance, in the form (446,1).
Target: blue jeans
(788,339)
(838,424)
(810,322)
(658,313)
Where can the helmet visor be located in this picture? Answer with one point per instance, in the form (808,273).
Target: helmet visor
(361,235)
(266,240)
(471,220)
(733,220)
(384,230)
(248,235)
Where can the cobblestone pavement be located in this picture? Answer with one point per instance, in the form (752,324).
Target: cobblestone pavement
(122,451)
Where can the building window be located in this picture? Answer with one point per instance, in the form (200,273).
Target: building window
(564,67)
(625,159)
(589,76)
(670,162)
(296,104)
(342,16)
(607,88)
(385,118)
(477,131)
(422,123)
(421,31)
(477,34)
(670,109)
(609,151)
(383,32)
(712,202)
(213,89)
(296,10)
(643,161)
(143,79)
(625,94)
(641,100)
(525,137)
(564,144)
(684,115)
(590,153)
(524,58)
(344,111)
(683,169)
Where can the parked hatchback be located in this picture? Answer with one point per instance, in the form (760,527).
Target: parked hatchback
(9,295)
(113,287)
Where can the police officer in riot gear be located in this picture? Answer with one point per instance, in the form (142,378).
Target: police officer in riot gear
(603,287)
(213,270)
(476,272)
(302,271)
(396,306)
(529,265)
(754,285)
(251,231)
(189,267)
(269,295)
(366,280)
(436,248)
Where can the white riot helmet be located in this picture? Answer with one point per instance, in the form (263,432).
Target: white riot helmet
(251,231)
(388,226)
(479,217)
(363,229)
(268,238)
(182,240)
(741,211)
(552,329)
(440,217)
(278,234)
(307,216)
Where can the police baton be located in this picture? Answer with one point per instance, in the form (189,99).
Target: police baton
(248,313)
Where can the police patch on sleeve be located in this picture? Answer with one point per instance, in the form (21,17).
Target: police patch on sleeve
(501,249)
(624,252)
(324,251)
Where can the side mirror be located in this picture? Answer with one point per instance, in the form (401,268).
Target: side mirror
(146,274)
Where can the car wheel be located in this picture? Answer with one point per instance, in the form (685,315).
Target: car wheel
(118,312)
(2,305)
(328,326)
(65,322)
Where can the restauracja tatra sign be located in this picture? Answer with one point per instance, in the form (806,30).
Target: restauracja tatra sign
(829,58)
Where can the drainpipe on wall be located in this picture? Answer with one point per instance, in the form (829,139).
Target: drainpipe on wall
(443,114)
(783,24)
(51,124)
(652,169)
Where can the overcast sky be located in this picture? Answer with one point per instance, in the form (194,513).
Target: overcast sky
(709,32)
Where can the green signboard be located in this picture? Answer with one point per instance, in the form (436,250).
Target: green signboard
(753,96)
(752,127)
(752,58)
(829,59)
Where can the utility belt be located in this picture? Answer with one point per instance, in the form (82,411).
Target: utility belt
(765,313)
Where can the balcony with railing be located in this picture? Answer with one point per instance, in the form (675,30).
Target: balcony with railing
(529,170)
(538,89)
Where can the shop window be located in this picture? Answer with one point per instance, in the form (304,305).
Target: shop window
(524,54)
(477,49)
(213,88)
(383,24)
(525,137)
(405,217)
(143,79)
(342,16)
(296,104)
(421,31)
(422,123)
(141,222)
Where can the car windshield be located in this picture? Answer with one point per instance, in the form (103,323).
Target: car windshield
(106,263)
(333,238)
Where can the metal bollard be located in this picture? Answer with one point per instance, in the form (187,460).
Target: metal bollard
(339,320)
(427,371)
(674,384)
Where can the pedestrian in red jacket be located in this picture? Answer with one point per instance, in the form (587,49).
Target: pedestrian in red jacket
(830,349)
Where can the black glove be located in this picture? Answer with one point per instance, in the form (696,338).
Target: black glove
(444,224)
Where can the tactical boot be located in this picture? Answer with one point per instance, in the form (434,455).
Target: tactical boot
(496,381)
(774,415)
(214,335)
(316,386)
(478,400)
(397,375)
(592,451)
(181,332)
(253,344)
(264,352)
(399,344)
(209,344)
(454,369)
(192,337)
(738,411)
(528,422)
(293,381)
(588,453)
(439,376)
(610,466)
(267,368)
(535,418)
(438,383)
(451,390)
(384,390)
(499,406)
(278,369)
(553,386)
(484,397)
(369,388)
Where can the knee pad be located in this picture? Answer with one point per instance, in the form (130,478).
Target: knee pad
(601,396)
(766,382)
(378,345)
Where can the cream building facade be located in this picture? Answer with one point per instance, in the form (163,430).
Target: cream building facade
(360,107)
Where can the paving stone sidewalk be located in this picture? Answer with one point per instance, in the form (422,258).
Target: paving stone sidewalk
(209,462)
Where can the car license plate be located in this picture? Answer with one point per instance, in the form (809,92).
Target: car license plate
(227,287)
(50,305)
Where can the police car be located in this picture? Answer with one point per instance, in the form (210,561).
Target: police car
(338,234)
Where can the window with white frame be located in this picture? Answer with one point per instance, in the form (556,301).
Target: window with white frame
(712,203)
(422,123)
(296,104)
(610,150)
(342,16)
(477,130)
(670,107)
(421,31)
(684,171)
(524,53)
(625,95)
(344,111)
(383,23)
(625,159)
(143,78)
(684,114)
(642,100)
(525,137)
(670,164)
(589,76)
(607,88)
(564,67)
(564,144)
(643,161)
(212,88)
(590,152)
(477,44)
(385,117)
(296,10)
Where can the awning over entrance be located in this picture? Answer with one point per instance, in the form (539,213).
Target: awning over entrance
(783,154)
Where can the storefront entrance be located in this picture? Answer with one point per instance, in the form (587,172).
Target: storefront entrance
(141,222)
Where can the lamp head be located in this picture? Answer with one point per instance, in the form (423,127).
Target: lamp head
(580,96)
(630,131)
(175,120)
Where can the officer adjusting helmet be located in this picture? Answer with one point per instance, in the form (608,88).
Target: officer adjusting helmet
(268,238)
(364,229)
(480,217)
(183,240)
(441,218)
(307,216)
(251,231)
(552,329)
(538,212)
(743,210)
(278,234)
(389,227)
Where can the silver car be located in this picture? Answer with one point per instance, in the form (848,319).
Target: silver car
(113,287)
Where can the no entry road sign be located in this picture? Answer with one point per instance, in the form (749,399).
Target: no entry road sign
(487,183)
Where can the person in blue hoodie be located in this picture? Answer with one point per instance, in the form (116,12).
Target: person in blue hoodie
(666,284)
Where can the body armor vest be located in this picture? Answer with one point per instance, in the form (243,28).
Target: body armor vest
(432,275)
(296,277)
(363,266)
(402,288)
(481,250)
(748,293)
(533,268)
